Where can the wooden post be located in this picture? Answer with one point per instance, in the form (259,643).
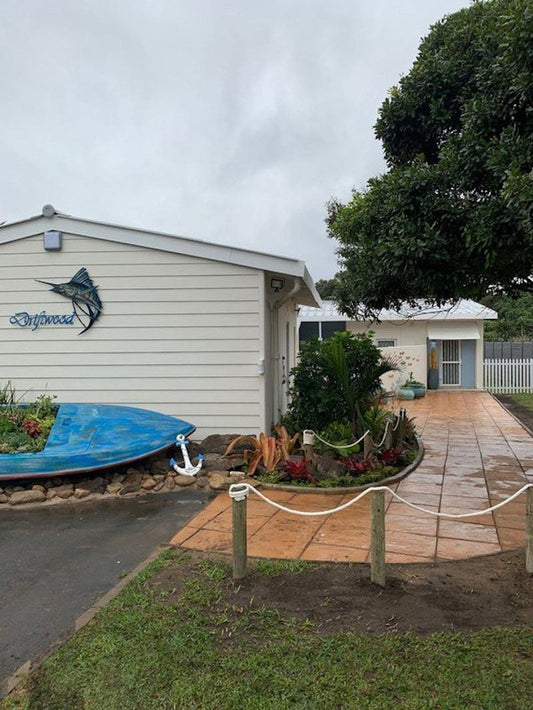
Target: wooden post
(400,431)
(529,530)
(394,429)
(240,551)
(368,445)
(309,450)
(377,539)
(388,433)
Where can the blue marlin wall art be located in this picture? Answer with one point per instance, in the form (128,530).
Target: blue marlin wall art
(84,296)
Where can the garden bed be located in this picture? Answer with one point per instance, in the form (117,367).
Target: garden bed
(25,428)
(334,490)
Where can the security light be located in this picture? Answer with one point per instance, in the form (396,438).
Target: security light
(52,240)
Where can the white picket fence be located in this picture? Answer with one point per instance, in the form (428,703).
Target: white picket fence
(508,376)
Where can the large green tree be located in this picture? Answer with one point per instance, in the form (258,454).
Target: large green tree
(326,288)
(515,318)
(452,216)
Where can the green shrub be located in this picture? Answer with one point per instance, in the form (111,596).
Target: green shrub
(340,434)
(335,380)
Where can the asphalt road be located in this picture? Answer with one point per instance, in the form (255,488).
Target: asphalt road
(56,561)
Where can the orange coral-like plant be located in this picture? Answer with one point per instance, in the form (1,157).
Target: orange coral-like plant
(286,442)
(265,449)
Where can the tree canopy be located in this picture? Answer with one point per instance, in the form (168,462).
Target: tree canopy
(452,215)
(326,288)
(515,318)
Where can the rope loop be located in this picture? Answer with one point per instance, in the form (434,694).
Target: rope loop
(455,516)
(333,446)
(240,491)
(387,424)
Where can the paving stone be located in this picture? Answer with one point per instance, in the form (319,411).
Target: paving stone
(466,455)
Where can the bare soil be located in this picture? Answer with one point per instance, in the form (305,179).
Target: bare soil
(522,413)
(460,596)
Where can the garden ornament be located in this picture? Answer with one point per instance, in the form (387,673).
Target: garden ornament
(188,469)
(84,296)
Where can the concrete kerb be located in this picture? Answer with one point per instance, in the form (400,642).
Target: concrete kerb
(10,683)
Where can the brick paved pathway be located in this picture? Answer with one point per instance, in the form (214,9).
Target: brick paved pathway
(476,455)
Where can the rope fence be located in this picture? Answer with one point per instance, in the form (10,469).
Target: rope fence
(239,492)
(391,434)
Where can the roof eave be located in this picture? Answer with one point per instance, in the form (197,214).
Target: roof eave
(163,242)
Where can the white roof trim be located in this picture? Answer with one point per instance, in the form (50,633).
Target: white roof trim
(164,242)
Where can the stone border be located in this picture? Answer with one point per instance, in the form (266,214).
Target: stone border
(150,475)
(350,489)
(153,475)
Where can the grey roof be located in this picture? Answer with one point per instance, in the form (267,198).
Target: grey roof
(464,309)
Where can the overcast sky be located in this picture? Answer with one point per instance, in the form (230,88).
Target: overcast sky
(232,121)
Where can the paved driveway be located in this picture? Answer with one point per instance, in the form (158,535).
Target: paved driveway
(56,561)
(476,455)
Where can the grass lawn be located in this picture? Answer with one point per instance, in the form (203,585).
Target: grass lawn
(524,399)
(174,638)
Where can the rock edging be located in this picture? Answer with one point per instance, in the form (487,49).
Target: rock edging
(150,475)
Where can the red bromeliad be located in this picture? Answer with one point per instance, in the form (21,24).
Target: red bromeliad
(298,470)
(32,428)
(391,456)
(356,466)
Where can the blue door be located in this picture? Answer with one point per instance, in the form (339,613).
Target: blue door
(468,364)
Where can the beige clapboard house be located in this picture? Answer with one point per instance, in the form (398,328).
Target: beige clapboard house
(201,331)
(454,331)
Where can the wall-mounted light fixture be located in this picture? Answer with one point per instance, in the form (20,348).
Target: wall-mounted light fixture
(52,240)
(277,284)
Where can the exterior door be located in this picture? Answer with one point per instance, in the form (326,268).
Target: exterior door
(451,362)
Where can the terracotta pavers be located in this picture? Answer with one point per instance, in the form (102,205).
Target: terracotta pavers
(476,456)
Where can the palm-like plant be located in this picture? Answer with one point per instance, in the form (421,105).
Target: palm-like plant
(359,386)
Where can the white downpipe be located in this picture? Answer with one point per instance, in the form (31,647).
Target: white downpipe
(274,341)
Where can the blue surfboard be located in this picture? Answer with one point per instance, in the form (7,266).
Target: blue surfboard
(88,437)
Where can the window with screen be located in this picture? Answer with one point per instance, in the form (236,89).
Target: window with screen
(386,343)
(308,331)
(329,327)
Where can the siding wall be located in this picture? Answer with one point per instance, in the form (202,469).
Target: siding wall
(179,334)
(405,333)
(410,359)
